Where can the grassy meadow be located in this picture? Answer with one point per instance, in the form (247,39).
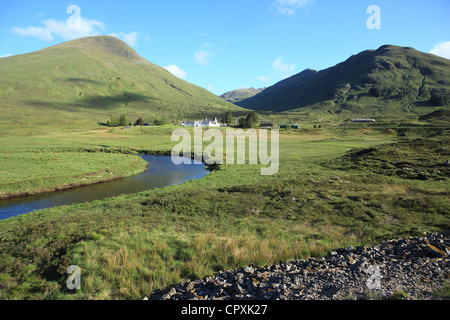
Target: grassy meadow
(28,171)
(127,247)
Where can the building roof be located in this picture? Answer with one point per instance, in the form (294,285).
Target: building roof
(363,120)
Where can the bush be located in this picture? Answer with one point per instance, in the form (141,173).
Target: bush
(116,121)
(376,92)
(251,120)
(139,122)
(439,99)
(160,122)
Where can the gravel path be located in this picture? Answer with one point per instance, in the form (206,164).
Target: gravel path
(413,268)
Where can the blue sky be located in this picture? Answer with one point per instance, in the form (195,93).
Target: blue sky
(224,45)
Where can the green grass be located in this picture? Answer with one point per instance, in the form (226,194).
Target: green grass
(131,245)
(417,159)
(32,170)
(444,291)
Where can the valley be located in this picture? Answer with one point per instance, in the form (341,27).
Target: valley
(339,183)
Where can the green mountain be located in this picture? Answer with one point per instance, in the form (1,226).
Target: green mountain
(91,78)
(240,94)
(390,80)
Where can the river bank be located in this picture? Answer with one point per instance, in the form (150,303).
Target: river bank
(49,170)
(159,172)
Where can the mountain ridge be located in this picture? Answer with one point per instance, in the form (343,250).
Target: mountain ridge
(237,95)
(390,73)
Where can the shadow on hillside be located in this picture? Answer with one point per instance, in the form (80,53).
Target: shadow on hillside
(95,101)
(423,104)
(83,80)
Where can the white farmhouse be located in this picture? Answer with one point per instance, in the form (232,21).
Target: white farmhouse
(363,120)
(204,123)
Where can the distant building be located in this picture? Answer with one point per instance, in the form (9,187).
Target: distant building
(211,122)
(363,120)
(203,123)
(266,125)
(285,126)
(191,123)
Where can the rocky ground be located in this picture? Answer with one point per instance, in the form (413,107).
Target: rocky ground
(414,268)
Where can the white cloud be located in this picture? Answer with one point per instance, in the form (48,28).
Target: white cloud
(41,33)
(205,52)
(86,28)
(290,7)
(202,57)
(176,71)
(263,78)
(5,55)
(128,38)
(202,35)
(442,49)
(52,28)
(280,70)
(74,28)
(284,68)
(146,37)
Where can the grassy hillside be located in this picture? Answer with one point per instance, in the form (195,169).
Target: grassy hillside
(91,78)
(391,80)
(240,94)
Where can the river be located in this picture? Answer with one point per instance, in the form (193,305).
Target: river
(161,172)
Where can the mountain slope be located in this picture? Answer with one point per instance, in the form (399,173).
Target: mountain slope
(240,94)
(390,77)
(94,77)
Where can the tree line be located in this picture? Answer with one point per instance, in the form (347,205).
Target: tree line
(123,121)
(249,121)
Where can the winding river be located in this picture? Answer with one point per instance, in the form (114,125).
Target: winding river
(161,172)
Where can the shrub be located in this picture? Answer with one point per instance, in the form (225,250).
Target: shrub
(376,92)
(439,99)
(251,120)
(139,122)
(117,121)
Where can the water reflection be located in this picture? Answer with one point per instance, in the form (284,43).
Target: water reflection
(161,172)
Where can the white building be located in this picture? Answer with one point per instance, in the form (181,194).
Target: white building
(204,123)
(363,120)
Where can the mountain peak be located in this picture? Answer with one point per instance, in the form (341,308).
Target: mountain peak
(391,48)
(391,75)
(104,44)
(235,96)
(100,76)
